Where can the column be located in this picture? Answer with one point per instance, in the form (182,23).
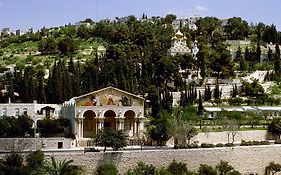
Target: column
(82,128)
(136,126)
(117,124)
(78,133)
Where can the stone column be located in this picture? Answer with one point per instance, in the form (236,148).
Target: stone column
(100,123)
(141,124)
(136,126)
(82,128)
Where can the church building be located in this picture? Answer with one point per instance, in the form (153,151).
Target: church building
(106,108)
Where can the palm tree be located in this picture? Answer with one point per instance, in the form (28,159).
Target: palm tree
(63,167)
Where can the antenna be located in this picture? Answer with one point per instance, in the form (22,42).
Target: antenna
(97,10)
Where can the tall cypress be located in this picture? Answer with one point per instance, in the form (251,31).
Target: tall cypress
(41,98)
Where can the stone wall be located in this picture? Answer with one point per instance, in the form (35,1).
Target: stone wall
(30,144)
(251,159)
(221,137)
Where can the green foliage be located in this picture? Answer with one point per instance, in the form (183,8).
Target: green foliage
(110,138)
(207,145)
(206,170)
(52,127)
(62,167)
(106,169)
(143,169)
(177,168)
(272,168)
(16,127)
(159,129)
(275,127)
(35,160)
(224,168)
(13,164)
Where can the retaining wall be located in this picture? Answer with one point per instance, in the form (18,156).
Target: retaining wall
(247,159)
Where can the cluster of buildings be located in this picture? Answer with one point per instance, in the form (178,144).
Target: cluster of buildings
(106,108)
(18,32)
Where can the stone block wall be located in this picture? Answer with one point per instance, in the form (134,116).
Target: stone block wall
(251,159)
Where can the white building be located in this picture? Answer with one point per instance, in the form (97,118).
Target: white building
(106,108)
(266,111)
(179,45)
(34,110)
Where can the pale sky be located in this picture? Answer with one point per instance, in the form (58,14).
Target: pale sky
(24,14)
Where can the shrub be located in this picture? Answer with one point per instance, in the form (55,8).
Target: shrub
(207,145)
(106,169)
(229,145)
(266,142)
(277,141)
(220,145)
(177,168)
(143,169)
(193,145)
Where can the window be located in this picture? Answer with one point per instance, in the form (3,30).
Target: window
(17,112)
(24,111)
(4,112)
(60,145)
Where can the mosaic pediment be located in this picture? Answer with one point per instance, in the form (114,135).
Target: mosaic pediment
(109,96)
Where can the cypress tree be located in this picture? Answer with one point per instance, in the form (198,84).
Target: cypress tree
(277,68)
(200,105)
(41,98)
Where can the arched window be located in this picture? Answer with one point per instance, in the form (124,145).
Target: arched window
(17,112)
(24,111)
(4,112)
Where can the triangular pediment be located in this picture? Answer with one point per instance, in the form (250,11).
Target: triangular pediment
(109,96)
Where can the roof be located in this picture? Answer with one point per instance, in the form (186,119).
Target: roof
(213,109)
(113,88)
(269,108)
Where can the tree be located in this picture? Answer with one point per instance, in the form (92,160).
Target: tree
(159,128)
(236,28)
(277,67)
(47,46)
(13,164)
(170,18)
(106,169)
(35,162)
(272,168)
(217,92)
(110,138)
(206,170)
(63,167)
(200,109)
(67,45)
(224,168)
(177,168)
(275,127)
(143,169)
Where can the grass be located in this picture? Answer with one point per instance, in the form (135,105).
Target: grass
(21,54)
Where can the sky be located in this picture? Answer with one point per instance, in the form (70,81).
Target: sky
(25,14)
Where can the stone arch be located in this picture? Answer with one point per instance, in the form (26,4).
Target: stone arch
(89,124)
(110,119)
(129,121)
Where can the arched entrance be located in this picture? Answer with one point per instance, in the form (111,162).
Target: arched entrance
(110,120)
(129,122)
(89,124)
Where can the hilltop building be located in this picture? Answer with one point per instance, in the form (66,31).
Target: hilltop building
(179,45)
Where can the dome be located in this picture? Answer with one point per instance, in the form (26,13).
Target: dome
(174,38)
(179,34)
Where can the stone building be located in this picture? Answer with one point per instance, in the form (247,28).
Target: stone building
(106,108)
(34,110)
(179,45)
